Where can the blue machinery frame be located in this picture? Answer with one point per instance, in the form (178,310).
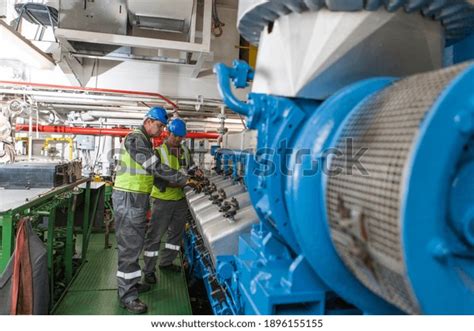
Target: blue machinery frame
(288,263)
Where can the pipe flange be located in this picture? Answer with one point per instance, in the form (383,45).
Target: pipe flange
(457,17)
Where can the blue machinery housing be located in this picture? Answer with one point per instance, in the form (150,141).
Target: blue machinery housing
(391,234)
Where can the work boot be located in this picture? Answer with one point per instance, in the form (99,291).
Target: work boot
(150,278)
(135,306)
(142,288)
(170,267)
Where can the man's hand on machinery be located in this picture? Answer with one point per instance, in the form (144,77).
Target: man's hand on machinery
(194,171)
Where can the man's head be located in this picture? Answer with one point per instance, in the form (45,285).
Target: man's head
(177,129)
(155,121)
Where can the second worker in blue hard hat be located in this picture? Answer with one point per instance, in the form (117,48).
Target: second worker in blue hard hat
(139,167)
(169,207)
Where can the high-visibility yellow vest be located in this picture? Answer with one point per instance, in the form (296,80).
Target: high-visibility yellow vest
(131,176)
(172,193)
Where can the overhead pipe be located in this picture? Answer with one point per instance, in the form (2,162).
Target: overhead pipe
(132,109)
(91,89)
(71,98)
(114,132)
(115,114)
(51,97)
(120,108)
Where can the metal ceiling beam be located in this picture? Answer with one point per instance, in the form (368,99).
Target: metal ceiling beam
(134,58)
(130,41)
(198,66)
(72,69)
(207,25)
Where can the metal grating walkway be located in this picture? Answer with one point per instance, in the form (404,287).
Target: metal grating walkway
(94,291)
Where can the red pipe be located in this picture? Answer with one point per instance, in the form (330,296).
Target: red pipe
(91,89)
(202,135)
(115,132)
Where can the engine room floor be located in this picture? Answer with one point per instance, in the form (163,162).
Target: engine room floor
(94,291)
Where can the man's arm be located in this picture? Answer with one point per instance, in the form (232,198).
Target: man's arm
(142,152)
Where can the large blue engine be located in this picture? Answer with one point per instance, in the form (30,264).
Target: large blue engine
(357,193)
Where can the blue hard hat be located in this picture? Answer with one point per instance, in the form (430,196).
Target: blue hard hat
(177,127)
(158,114)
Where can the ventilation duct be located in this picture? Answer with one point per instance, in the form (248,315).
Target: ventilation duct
(163,15)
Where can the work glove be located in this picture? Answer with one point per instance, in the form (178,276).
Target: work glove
(197,185)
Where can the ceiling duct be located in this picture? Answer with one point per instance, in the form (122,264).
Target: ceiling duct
(106,16)
(114,30)
(163,15)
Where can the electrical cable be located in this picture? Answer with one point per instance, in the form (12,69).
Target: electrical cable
(217,24)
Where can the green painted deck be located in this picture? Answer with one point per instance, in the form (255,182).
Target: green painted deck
(94,291)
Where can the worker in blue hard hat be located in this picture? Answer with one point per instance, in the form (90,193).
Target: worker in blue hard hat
(139,166)
(169,207)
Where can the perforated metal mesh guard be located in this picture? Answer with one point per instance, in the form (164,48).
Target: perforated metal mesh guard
(364,210)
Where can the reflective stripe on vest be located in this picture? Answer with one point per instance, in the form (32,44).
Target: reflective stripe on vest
(131,176)
(163,150)
(171,193)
